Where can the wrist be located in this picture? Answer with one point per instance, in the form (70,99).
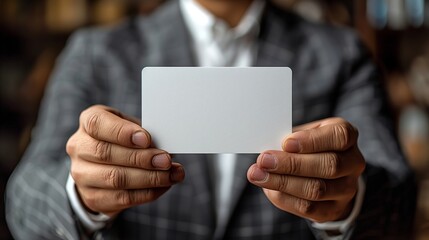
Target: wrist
(344,225)
(91,222)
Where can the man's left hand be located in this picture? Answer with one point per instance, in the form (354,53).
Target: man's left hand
(316,174)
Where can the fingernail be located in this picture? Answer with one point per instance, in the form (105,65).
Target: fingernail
(258,175)
(269,161)
(292,146)
(162,161)
(140,139)
(177,174)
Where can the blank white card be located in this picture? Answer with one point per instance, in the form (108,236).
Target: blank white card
(217,110)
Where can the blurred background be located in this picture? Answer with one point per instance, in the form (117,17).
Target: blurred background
(32,34)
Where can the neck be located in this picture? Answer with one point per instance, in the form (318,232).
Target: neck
(231,11)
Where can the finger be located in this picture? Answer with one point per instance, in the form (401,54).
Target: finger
(132,119)
(107,153)
(89,174)
(119,114)
(322,211)
(331,135)
(313,189)
(103,123)
(328,165)
(110,202)
(307,126)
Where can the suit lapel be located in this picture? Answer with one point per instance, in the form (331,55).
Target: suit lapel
(274,49)
(280,43)
(275,43)
(169,42)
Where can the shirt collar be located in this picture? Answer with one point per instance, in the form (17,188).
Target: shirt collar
(204,26)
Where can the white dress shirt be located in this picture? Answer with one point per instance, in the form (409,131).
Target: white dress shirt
(215,44)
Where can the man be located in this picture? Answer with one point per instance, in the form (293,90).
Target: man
(120,186)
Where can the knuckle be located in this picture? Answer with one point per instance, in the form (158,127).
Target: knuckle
(71,146)
(118,131)
(103,151)
(75,173)
(331,165)
(293,167)
(90,200)
(125,198)
(313,144)
(155,179)
(339,120)
(141,158)
(344,134)
(122,132)
(115,178)
(315,189)
(134,197)
(134,159)
(283,184)
(148,195)
(304,207)
(91,122)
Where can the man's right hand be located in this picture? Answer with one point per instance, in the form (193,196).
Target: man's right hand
(113,164)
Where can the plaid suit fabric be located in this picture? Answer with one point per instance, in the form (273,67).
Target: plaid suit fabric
(332,77)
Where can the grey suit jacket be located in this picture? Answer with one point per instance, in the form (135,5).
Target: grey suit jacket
(333,76)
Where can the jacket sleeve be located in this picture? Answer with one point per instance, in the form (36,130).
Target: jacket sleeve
(37,206)
(389,204)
